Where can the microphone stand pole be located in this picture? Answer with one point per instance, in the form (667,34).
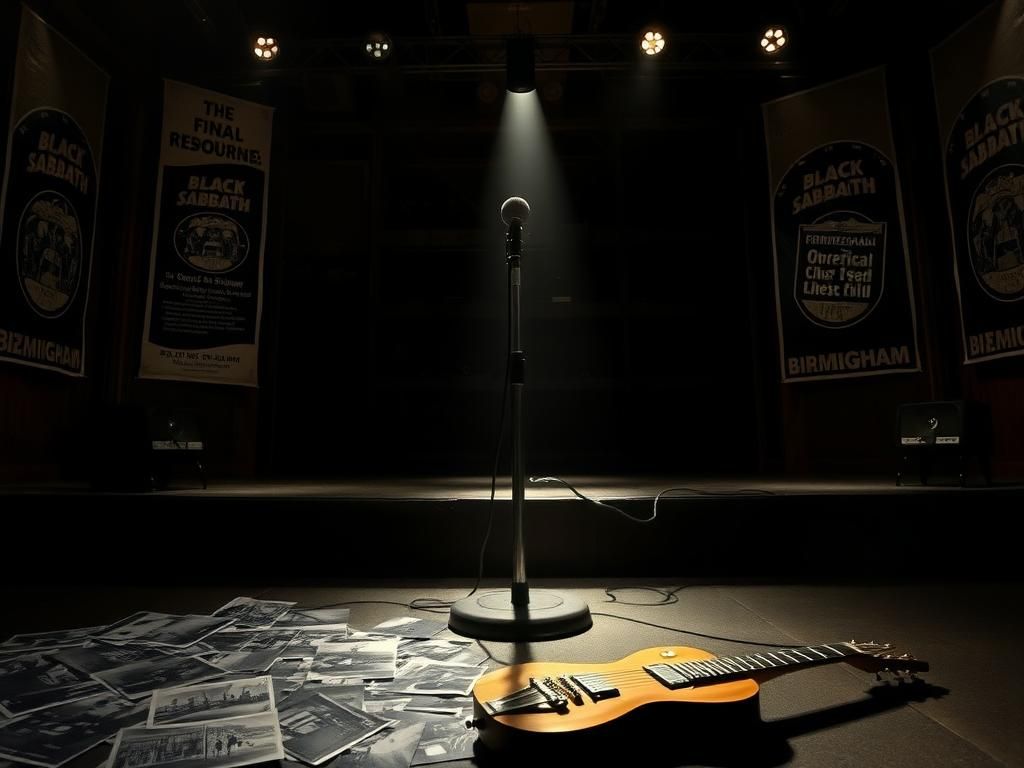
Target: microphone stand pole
(516,614)
(520,592)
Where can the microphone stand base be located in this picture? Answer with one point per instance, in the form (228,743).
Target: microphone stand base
(492,616)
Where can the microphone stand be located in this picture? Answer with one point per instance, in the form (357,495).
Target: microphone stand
(516,614)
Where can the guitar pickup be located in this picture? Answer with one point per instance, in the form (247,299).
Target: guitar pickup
(595,686)
(668,676)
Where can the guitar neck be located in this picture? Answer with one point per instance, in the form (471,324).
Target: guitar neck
(760,666)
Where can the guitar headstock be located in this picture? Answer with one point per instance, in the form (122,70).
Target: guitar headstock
(883,657)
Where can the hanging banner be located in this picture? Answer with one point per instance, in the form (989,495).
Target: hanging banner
(48,203)
(979,88)
(206,265)
(843,292)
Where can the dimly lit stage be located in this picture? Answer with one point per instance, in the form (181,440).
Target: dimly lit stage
(932,570)
(297,532)
(966,712)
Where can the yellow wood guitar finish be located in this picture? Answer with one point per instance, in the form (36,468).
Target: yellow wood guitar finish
(636,689)
(551,703)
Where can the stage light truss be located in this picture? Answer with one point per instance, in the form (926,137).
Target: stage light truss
(692,55)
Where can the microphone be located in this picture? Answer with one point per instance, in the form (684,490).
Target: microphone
(515,209)
(514,212)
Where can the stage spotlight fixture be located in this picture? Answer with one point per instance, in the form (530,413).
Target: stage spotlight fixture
(773,39)
(378,46)
(265,48)
(519,64)
(652,43)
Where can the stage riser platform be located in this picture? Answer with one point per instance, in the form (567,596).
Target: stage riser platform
(195,538)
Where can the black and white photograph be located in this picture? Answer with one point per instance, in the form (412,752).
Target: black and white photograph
(306,642)
(355,659)
(222,744)
(436,677)
(36,681)
(444,739)
(164,629)
(349,695)
(98,656)
(44,641)
(289,674)
(319,618)
(211,701)
(53,736)
(451,651)
(410,627)
(252,613)
(315,729)
(228,640)
(143,677)
(394,747)
(258,653)
(375,700)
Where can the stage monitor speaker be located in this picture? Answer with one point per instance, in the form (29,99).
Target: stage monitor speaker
(144,449)
(941,440)
(175,442)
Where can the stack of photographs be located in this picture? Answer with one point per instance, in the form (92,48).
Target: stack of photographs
(259,680)
(222,724)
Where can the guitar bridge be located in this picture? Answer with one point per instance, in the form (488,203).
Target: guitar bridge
(541,695)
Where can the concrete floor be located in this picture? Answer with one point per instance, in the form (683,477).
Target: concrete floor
(970,712)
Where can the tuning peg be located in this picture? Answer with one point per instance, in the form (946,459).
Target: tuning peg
(905,657)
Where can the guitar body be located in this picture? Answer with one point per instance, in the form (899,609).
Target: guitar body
(640,704)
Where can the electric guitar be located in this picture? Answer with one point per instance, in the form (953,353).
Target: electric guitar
(549,704)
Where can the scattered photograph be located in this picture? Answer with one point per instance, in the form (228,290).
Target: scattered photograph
(394,747)
(258,653)
(386,701)
(253,613)
(315,729)
(53,736)
(141,678)
(443,740)
(45,641)
(426,676)
(98,656)
(409,626)
(35,681)
(306,642)
(222,744)
(321,618)
(365,659)
(451,651)
(292,672)
(440,705)
(229,640)
(151,628)
(211,701)
(349,695)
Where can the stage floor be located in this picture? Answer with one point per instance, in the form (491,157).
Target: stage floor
(476,488)
(968,714)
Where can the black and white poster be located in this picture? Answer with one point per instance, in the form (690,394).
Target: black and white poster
(49,198)
(979,89)
(206,263)
(843,290)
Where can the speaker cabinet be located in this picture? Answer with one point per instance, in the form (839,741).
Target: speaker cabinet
(144,449)
(942,442)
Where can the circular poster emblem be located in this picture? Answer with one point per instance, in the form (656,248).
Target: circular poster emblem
(211,242)
(995,233)
(50,260)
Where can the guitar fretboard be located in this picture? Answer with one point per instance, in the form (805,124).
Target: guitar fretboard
(723,668)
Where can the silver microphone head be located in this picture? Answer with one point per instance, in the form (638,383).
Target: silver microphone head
(515,208)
